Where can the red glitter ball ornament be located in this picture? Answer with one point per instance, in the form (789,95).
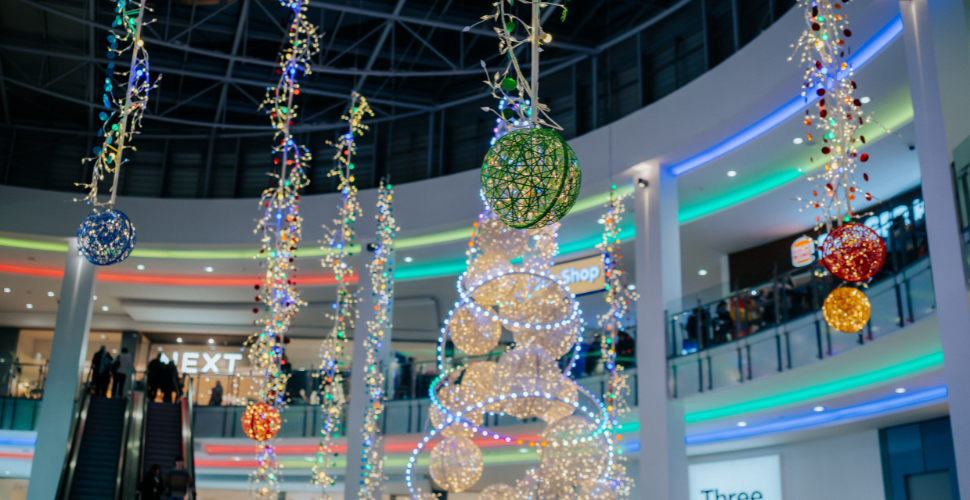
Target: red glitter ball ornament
(853,252)
(261,422)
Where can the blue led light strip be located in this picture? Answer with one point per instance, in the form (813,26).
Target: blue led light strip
(869,50)
(894,403)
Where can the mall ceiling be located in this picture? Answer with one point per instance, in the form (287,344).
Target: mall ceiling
(204,137)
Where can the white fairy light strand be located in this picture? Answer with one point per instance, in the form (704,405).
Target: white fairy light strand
(281,227)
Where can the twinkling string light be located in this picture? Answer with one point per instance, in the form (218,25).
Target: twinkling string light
(618,297)
(382,296)
(107,236)
(281,229)
(338,242)
(839,114)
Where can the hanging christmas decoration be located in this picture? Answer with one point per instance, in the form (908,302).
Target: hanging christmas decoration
(527,381)
(499,491)
(382,296)
(853,252)
(281,232)
(839,114)
(108,236)
(530,176)
(338,243)
(846,309)
(619,296)
(261,422)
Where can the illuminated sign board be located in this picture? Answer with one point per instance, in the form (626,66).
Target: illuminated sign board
(803,251)
(214,362)
(583,275)
(746,479)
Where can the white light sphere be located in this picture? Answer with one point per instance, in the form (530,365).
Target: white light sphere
(574,456)
(473,334)
(500,491)
(456,464)
(529,369)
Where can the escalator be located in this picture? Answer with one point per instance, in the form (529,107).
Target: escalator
(115,441)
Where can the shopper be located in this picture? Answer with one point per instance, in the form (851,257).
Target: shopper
(155,372)
(101,371)
(169,381)
(179,480)
(153,484)
(216,398)
(626,355)
(122,367)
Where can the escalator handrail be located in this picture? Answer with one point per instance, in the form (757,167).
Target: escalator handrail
(74,441)
(130,446)
(188,442)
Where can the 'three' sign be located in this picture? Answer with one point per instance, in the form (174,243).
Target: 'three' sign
(746,479)
(583,275)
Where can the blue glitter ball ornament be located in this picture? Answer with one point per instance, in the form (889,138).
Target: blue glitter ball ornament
(106,237)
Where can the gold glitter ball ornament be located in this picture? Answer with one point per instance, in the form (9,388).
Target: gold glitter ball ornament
(500,491)
(456,464)
(474,334)
(527,370)
(846,309)
(574,457)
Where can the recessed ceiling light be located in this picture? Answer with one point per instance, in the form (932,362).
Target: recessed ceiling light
(179,340)
(95,297)
(702,272)
(114,351)
(236,459)
(631,286)
(754,292)
(408,259)
(798,140)
(6,290)
(742,424)
(819,408)
(208,269)
(30,306)
(732,173)
(601,221)
(212,341)
(900,390)
(103,336)
(523,450)
(141,267)
(865,100)
(104,308)
(50,294)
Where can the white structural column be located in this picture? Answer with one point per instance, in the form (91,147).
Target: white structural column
(938,63)
(68,352)
(663,452)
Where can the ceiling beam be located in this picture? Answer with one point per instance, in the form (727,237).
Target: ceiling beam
(388,26)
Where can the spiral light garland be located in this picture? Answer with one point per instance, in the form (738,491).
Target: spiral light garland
(107,236)
(546,322)
(338,243)
(281,228)
(382,296)
(618,296)
(828,77)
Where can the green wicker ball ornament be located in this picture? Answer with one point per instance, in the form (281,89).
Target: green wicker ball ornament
(531,178)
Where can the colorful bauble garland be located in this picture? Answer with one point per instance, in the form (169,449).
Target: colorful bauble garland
(338,243)
(281,230)
(527,381)
(382,296)
(530,177)
(108,236)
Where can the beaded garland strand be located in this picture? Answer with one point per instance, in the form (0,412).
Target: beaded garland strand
(828,78)
(382,296)
(281,228)
(619,297)
(107,236)
(338,243)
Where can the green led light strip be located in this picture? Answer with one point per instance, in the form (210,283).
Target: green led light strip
(828,389)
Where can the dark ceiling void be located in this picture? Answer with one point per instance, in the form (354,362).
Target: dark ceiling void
(204,137)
